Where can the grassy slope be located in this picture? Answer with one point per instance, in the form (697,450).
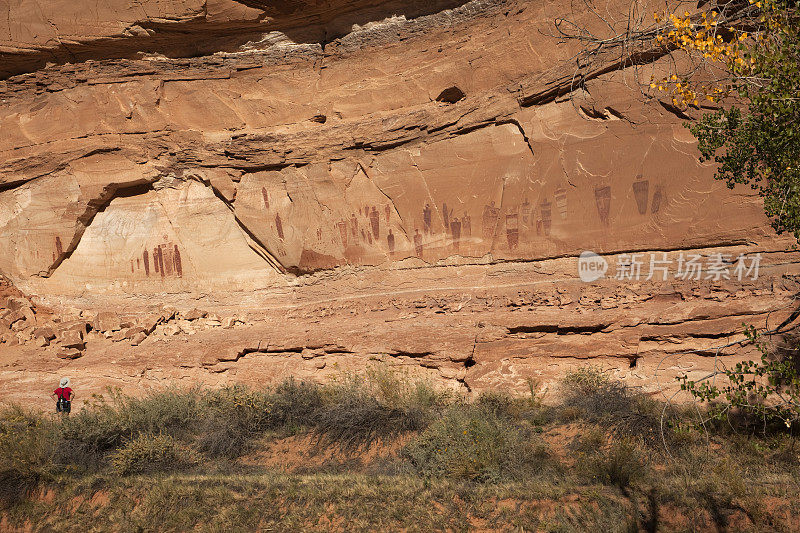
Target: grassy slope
(192,460)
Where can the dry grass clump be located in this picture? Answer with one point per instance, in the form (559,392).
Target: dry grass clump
(26,450)
(360,411)
(475,443)
(590,395)
(620,463)
(147,454)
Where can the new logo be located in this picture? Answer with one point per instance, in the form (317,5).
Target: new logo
(591,267)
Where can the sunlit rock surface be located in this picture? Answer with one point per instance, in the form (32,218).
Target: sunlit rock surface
(355,181)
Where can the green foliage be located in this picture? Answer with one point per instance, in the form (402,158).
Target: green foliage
(147,454)
(756,141)
(765,394)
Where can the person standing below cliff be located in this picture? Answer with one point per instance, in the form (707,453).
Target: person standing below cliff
(63,396)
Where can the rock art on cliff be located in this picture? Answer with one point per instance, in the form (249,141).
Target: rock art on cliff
(433,164)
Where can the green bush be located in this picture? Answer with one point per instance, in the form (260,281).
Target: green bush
(147,454)
(473,443)
(755,396)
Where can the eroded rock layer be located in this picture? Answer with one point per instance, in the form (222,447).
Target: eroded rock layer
(433,166)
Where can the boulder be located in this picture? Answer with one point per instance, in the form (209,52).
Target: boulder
(133,331)
(150,322)
(69,353)
(71,338)
(70,314)
(16,303)
(171,329)
(11,318)
(19,322)
(74,325)
(195,314)
(45,332)
(40,342)
(29,314)
(107,321)
(128,333)
(138,338)
(186,326)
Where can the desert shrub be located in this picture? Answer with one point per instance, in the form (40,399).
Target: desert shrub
(590,395)
(400,390)
(232,417)
(222,438)
(526,409)
(240,405)
(147,454)
(292,405)
(592,438)
(619,463)
(352,417)
(498,403)
(473,443)
(89,435)
(86,438)
(26,449)
(359,410)
(585,380)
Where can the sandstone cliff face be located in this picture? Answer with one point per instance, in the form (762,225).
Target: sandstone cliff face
(268,154)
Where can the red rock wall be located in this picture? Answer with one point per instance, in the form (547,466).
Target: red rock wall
(185,148)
